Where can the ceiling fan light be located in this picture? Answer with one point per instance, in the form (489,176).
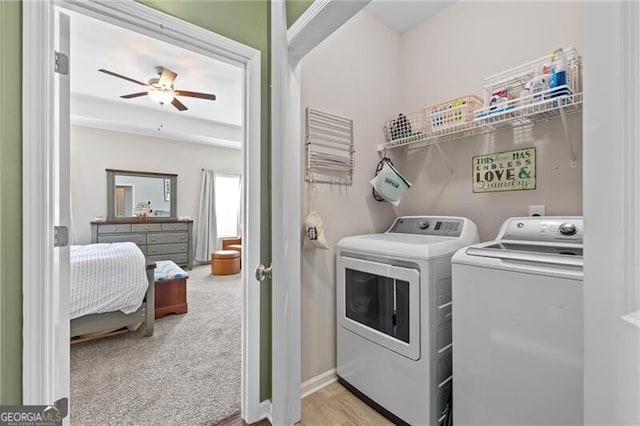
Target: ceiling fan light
(161,96)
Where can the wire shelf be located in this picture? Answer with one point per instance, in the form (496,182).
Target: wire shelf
(515,80)
(517,106)
(521,115)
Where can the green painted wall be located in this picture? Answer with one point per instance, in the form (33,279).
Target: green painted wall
(244,21)
(295,8)
(10,202)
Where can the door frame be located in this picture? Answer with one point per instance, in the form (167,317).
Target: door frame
(41,337)
(288,45)
(611,194)
(285,240)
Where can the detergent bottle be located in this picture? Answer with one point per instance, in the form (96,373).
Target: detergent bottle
(538,85)
(558,73)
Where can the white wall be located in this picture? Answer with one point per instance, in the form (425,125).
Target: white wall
(448,56)
(353,74)
(365,72)
(94,150)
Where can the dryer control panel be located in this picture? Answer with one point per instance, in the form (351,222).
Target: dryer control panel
(428,225)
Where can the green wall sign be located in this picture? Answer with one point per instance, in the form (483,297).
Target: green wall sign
(505,171)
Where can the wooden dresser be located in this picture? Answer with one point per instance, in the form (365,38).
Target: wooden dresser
(158,240)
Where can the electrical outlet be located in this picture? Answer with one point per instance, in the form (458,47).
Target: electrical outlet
(537,210)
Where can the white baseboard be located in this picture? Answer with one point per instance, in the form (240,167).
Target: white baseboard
(314,384)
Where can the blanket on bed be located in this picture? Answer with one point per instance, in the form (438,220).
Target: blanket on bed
(107,277)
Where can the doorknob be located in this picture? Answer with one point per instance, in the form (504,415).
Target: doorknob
(262,272)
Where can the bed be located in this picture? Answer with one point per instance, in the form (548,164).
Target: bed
(112,286)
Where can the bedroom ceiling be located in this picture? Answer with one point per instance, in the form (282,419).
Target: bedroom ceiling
(402,15)
(95,100)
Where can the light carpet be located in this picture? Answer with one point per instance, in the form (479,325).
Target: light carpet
(187,373)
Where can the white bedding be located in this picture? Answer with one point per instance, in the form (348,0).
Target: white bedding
(107,277)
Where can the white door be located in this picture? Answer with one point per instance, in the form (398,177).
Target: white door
(46,185)
(611,213)
(47,308)
(62,190)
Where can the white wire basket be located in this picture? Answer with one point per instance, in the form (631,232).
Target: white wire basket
(406,128)
(453,113)
(433,121)
(511,87)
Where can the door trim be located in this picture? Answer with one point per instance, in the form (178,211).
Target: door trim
(321,19)
(611,188)
(316,23)
(286,224)
(40,335)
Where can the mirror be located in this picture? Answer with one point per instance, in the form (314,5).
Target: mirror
(143,195)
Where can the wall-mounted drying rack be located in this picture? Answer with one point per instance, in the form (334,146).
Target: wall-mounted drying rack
(526,109)
(330,152)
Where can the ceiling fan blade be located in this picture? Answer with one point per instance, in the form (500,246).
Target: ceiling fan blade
(122,76)
(167,77)
(179,105)
(134,95)
(209,96)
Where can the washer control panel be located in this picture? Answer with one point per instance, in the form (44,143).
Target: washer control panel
(427,225)
(551,228)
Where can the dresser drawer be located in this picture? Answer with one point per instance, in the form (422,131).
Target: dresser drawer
(167,248)
(144,227)
(114,228)
(180,258)
(139,239)
(181,237)
(175,226)
(143,249)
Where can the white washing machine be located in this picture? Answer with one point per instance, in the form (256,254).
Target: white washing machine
(517,325)
(394,316)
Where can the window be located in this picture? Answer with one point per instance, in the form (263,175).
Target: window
(227,188)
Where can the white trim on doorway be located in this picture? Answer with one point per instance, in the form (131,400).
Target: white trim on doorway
(286,225)
(42,339)
(611,188)
(318,22)
(321,19)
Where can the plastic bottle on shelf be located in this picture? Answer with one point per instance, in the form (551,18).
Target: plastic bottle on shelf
(538,84)
(558,73)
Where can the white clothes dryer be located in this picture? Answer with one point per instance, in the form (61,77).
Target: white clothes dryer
(517,325)
(394,316)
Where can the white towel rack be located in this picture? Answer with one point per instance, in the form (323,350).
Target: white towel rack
(329,143)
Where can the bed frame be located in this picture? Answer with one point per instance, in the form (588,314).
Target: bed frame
(100,323)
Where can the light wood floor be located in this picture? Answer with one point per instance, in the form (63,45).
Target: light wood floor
(335,405)
(331,405)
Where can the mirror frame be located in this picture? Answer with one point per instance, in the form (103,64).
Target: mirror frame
(111,180)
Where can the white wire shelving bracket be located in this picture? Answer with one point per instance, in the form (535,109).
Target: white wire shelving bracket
(330,151)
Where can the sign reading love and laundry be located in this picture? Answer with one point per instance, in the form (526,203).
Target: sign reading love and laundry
(505,171)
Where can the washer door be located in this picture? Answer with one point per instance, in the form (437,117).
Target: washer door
(381,303)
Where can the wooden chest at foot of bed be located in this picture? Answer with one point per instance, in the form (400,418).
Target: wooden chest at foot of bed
(171,297)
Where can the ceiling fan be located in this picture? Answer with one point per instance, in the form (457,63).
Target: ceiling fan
(161,90)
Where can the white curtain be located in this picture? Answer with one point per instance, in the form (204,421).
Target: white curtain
(207,235)
(240,206)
